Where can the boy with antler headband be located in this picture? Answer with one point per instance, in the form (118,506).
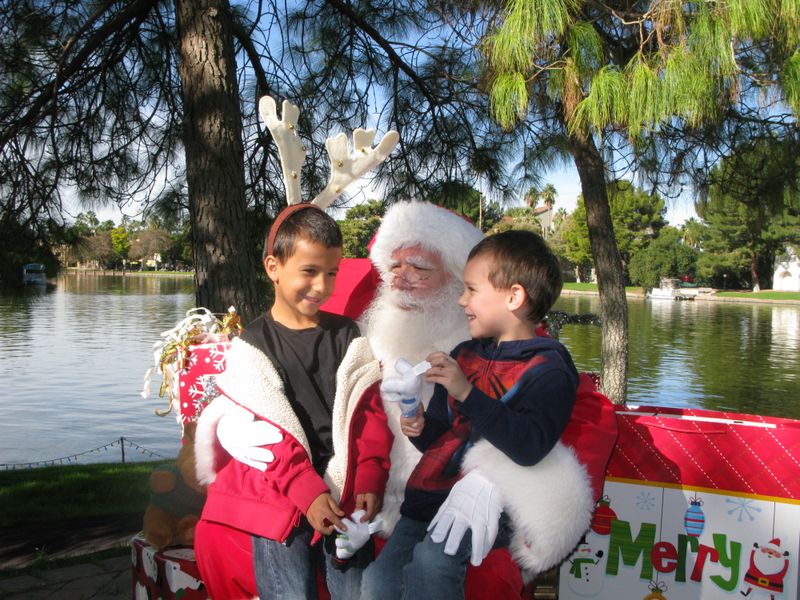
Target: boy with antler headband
(309,379)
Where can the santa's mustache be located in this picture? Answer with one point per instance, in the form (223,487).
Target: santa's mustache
(409,300)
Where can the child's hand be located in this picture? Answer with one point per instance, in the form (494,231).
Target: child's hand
(445,370)
(412,426)
(324,514)
(370,504)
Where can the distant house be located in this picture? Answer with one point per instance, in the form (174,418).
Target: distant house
(787,272)
(545,215)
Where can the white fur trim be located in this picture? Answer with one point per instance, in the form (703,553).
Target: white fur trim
(357,371)
(252,381)
(550,503)
(433,227)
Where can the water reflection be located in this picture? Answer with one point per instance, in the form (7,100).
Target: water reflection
(785,339)
(73,359)
(722,356)
(73,362)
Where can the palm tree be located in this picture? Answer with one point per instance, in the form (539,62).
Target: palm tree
(531,197)
(548,195)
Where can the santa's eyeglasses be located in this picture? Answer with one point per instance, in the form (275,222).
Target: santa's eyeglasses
(410,273)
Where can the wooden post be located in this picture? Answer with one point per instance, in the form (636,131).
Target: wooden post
(122,448)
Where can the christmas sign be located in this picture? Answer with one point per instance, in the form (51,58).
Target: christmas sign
(697,505)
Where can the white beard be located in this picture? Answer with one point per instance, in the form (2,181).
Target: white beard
(767,564)
(437,323)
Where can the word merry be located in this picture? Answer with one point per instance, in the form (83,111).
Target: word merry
(665,557)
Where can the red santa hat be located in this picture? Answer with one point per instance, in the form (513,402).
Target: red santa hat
(774,544)
(424,224)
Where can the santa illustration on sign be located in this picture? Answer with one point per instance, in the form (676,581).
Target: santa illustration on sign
(768,567)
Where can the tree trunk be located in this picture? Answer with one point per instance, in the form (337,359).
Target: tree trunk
(608,265)
(225,271)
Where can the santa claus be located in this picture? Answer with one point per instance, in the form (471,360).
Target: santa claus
(768,567)
(420,252)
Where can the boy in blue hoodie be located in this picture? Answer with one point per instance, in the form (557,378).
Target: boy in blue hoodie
(507,386)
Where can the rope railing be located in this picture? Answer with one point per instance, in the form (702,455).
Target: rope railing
(122,442)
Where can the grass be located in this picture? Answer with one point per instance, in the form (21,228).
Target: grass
(53,494)
(765,295)
(747,295)
(592,287)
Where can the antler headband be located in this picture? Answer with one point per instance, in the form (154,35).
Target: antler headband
(345,167)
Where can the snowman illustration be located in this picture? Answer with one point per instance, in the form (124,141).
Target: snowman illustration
(585,573)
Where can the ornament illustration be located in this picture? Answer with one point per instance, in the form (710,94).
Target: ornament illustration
(603,516)
(695,519)
(657,590)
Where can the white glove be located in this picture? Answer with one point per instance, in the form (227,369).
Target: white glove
(406,387)
(351,541)
(473,503)
(242,436)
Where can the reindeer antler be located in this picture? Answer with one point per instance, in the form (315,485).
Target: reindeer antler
(345,169)
(290,148)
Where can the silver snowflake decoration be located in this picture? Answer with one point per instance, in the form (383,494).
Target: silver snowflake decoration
(645,501)
(743,507)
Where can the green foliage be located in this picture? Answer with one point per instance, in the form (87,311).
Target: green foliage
(665,256)
(751,211)
(509,99)
(20,245)
(527,25)
(120,242)
(645,95)
(790,77)
(574,238)
(359,226)
(751,19)
(637,216)
(518,217)
(688,86)
(640,68)
(605,103)
(585,48)
(465,200)
(86,223)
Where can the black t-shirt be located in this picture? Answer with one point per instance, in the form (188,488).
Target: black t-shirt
(307,360)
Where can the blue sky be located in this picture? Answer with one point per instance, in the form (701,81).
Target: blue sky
(566,182)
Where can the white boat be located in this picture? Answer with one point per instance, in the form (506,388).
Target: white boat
(34,274)
(670,290)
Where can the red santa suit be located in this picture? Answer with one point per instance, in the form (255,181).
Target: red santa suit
(771,558)
(550,504)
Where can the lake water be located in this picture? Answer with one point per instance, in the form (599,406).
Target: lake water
(73,361)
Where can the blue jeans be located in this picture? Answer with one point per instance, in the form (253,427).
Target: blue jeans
(289,571)
(412,567)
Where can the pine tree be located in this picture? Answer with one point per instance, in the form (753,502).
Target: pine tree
(645,84)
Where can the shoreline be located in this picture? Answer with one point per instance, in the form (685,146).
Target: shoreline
(700,298)
(126,273)
(639,295)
